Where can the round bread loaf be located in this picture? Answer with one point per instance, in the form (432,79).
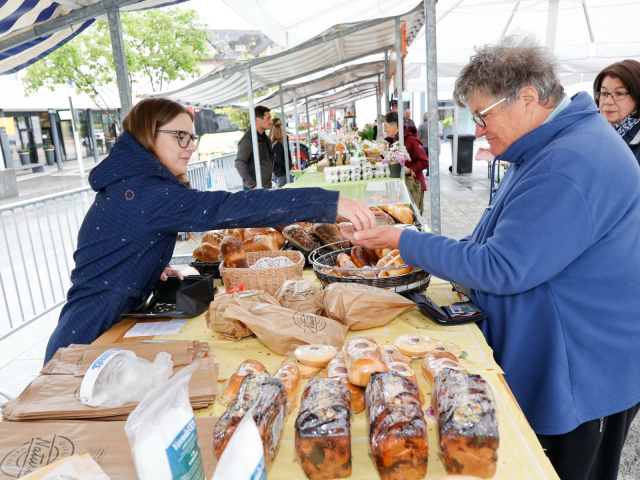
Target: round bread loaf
(249,233)
(301,238)
(233,253)
(279,238)
(414,345)
(315,355)
(261,243)
(212,237)
(207,252)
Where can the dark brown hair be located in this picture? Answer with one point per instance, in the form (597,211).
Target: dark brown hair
(391,118)
(260,111)
(628,72)
(150,115)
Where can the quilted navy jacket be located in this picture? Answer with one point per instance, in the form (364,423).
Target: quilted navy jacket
(128,236)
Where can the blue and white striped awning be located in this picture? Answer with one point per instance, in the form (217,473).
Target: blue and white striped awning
(335,46)
(20,16)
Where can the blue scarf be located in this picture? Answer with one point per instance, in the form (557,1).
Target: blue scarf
(626,124)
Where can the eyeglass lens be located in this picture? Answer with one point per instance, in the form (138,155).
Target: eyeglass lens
(602,96)
(184,139)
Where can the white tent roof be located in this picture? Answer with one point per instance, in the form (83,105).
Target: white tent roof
(337,45)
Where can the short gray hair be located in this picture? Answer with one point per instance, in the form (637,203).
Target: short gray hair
(501,70)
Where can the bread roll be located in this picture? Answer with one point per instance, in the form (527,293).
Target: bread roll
(261,243)
(415,345)
(395,261)
(317,356)
(329,234)
(363,357)
(301,237)
(433,364)
(401,213)
(337,368)
(371,256)
(245,368)
(323,436)
(397,427)
(332,271)
(344,261)
(385,254)
(341,219)
(233,253)
(249,233)
(305,370)
(280,240)
(207,252)
(399,364)
(291,377)
(212,237)
(383,218)
(234,232)
(359,257)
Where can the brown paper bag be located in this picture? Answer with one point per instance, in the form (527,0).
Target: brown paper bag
(361,306)
(283,330)
(298,294)
(26,446)
(233,328)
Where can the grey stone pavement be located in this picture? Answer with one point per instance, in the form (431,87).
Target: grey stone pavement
(463,199)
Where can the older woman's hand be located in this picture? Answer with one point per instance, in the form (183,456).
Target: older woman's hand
(168,271)
(377,237)
(357,212)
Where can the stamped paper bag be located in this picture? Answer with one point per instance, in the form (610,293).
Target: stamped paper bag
(361,306)
(234,328)
(283,330)
(298,294)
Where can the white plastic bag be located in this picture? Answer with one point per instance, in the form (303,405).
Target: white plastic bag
(243,457)
(119,376)
(162,432)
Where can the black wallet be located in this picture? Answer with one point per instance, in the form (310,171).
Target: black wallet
(175,298)
(457,313)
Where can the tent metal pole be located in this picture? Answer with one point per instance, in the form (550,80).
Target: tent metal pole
(335,116)
(454,144)
(552,24)
(306,104)
(295,120)
(285,138)
(318,126)
(378,110)
(120,59)
(254,131)
(386,81)
(432,108)
(399,85)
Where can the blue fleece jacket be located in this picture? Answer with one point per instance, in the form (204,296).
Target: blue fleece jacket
(129,233)
(554,262)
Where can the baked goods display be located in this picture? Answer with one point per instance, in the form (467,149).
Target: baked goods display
(316,356)
(290,376)
(207,252)
(467,423)
(363,357)
(261,243)
(393,350)
(301,237)
(245,368)
(305,370)
(397,427)
(362,263)
(323,430)
(415,345)
(398,363)
(383,218)
(337,369)
(433,364)
(329,234)
(452,348)
(232,252)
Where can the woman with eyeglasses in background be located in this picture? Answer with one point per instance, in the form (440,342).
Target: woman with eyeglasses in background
(142,200)
(617,92)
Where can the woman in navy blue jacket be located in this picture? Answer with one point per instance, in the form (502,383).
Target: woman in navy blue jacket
(142,201)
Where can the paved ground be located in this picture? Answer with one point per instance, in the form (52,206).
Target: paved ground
(463,199)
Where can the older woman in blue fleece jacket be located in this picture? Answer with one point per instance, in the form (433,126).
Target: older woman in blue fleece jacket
(554,260)
(128,236)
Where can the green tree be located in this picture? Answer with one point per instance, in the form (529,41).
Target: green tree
(161,45)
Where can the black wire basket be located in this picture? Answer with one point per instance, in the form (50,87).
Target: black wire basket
(207,268)
(325,258)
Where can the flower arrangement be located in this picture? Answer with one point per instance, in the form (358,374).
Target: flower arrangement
(397,154)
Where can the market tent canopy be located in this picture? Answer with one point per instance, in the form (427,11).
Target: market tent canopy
(291,23)
(31,29)
(337,45)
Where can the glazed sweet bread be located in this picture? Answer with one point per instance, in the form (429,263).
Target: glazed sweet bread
(234,232)
(245,368)
(433,364)
(305,370)
(279,238)
(385,254)
(393,350)
(317,356)
(261,243)
(399,364)
(232,252)
(337,368)
(359,257)
(212,237)
(415,345)
(249,233)
(452,348)
(291,377)
(363,356)
(395,262)
(323,433)
(207,252)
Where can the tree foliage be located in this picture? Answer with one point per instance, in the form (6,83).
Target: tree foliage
(162,45)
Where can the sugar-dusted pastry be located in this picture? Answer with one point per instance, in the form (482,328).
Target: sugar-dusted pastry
(414,344)
(317,356)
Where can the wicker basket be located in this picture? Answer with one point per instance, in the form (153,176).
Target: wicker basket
(324,257)
(267,279)
(207,268)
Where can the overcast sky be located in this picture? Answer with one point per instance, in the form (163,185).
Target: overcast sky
(219,15)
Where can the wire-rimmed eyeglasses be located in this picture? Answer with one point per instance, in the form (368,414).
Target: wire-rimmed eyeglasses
(478,117)
(184,138)
(615,96)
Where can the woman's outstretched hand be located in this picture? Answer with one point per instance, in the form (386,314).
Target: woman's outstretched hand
(357,212)
(377,237)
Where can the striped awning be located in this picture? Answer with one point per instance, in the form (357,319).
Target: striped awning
(18,17)
(335,46)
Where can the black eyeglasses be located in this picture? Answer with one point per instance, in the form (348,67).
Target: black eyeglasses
(615,96)
(184,138)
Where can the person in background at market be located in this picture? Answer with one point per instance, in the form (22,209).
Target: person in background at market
(375,129)
(128,235)
(394,106)
(244,160)
(279,171)
(407,119)
(554,260)
(414,178)
(617,93)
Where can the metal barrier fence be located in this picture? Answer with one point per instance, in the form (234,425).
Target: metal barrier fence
(40,236)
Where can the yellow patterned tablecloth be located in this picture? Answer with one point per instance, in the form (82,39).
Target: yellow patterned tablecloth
(520,455)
